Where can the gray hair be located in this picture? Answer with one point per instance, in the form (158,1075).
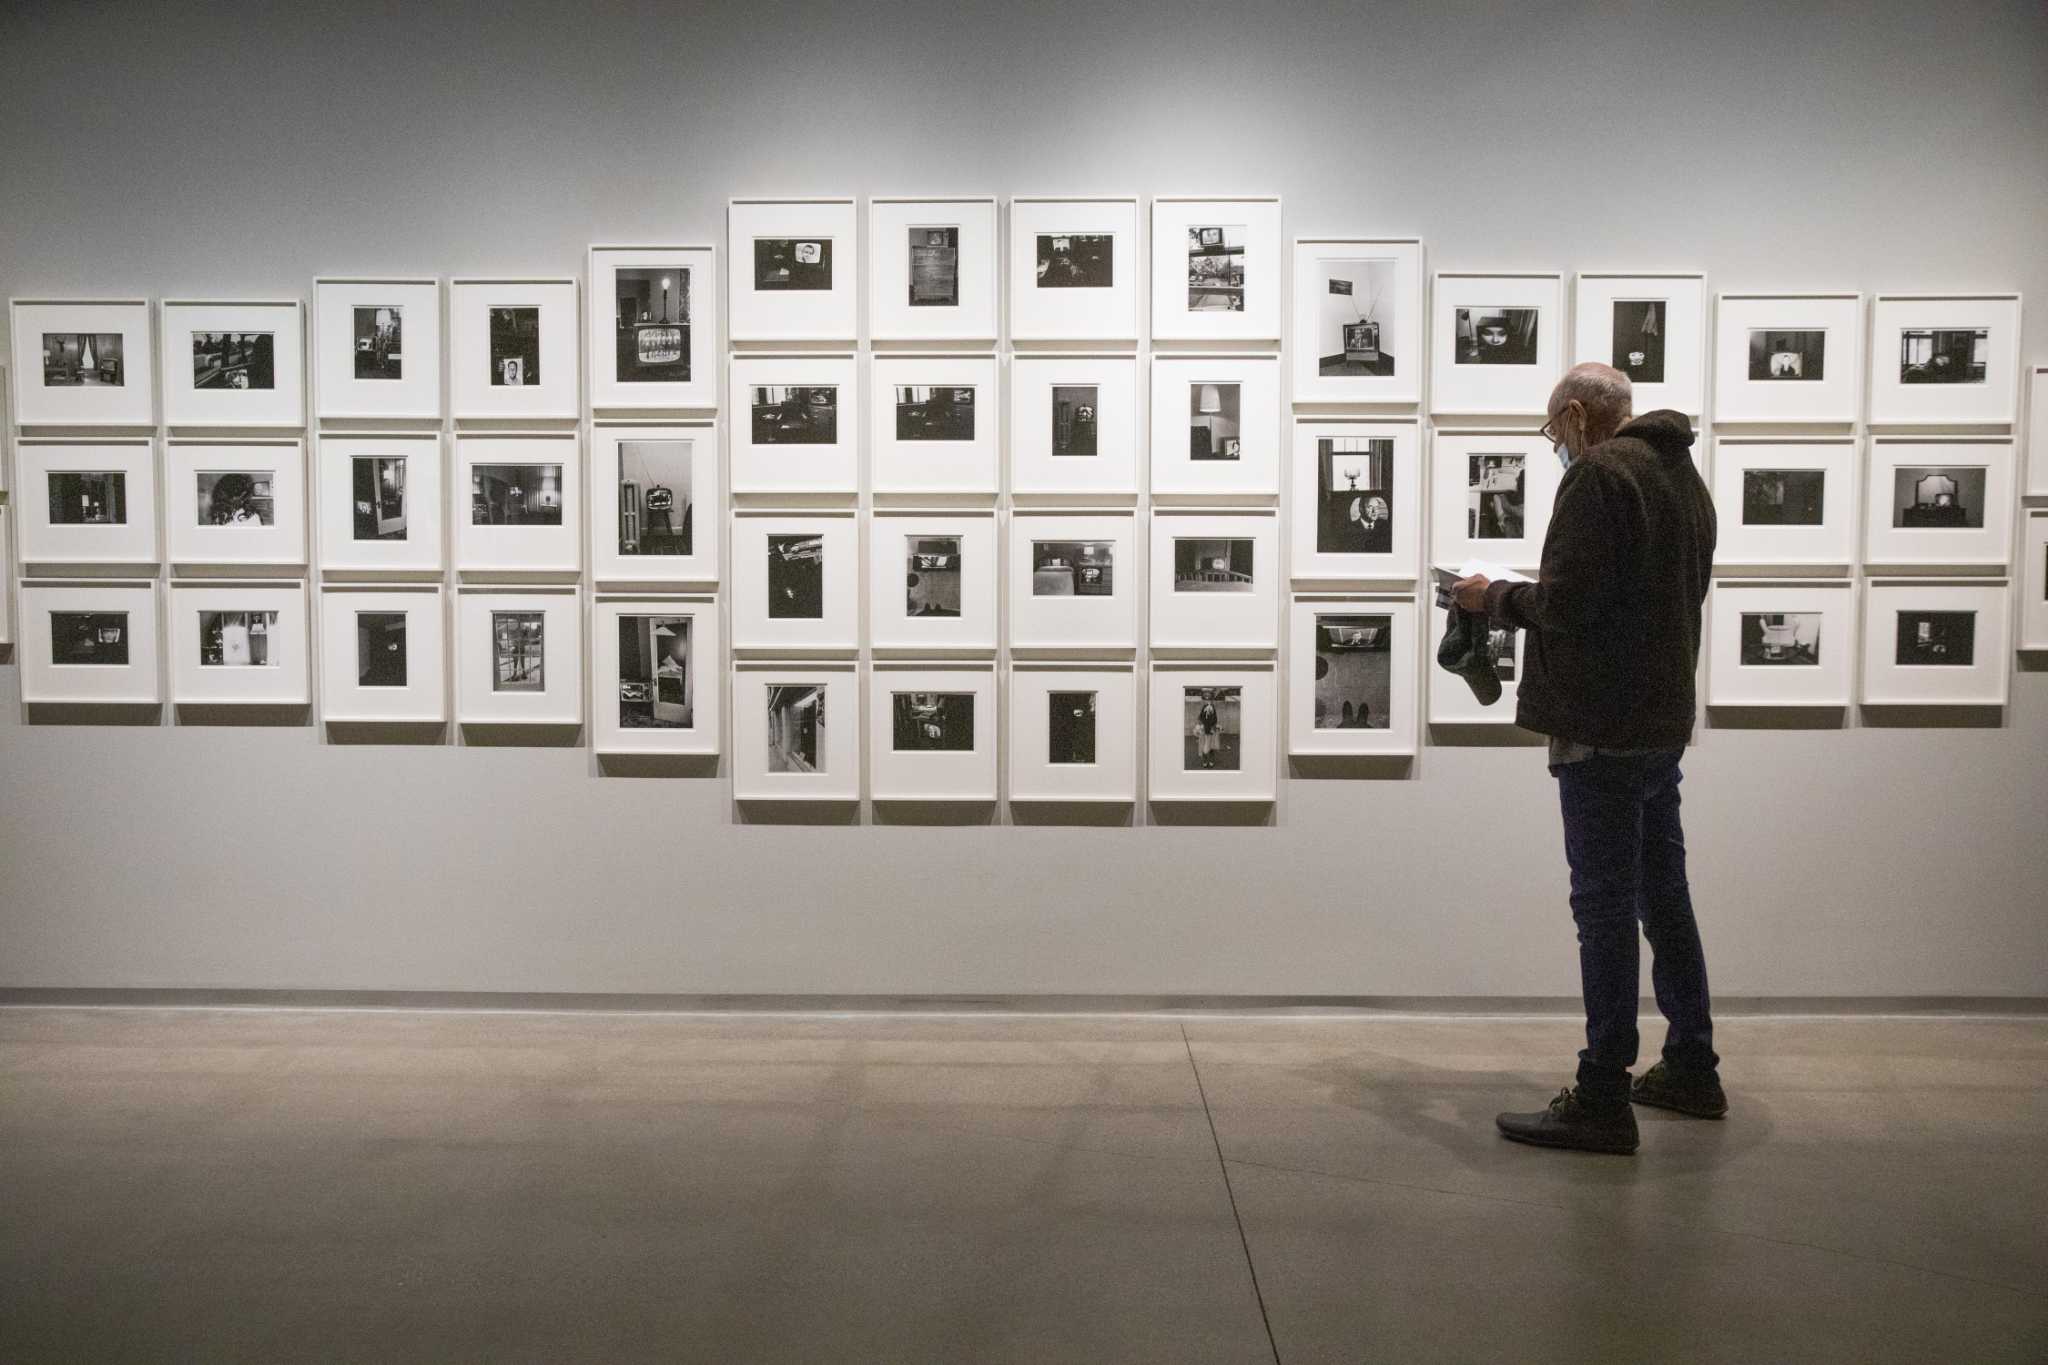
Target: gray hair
(1603,390)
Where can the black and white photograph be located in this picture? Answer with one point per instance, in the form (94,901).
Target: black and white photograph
(655,504)
(1073,568)
(935,266)
(515,347)
(1787,356)
(1783,497)
(1944,355)
(1214,429)
(380,649)
(1937,639)
(655,691)
(380,341)
(515,495)
(1503,641)
(234,360)
(237,497)
(651,319)
(1639,326)
(1355,318)
(1354,672)
(1216,268)
(932,577)
(1073,420)
(378,484)
(1495,493)
(934,412)
(88,497)
(237,639)
(1496,336)
(1070,728)
(796,578)
(1355,495)
(89,638)
(83,360)
(1076,260)
(928,722)
(1947,498)
(1209,565)
(1780,639)
(796,728)
(801,415)
(518,651)
(1212,724)
(792,264)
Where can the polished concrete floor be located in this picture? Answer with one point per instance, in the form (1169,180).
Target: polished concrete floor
(224,1185)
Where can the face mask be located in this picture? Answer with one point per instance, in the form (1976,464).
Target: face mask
(1564,455)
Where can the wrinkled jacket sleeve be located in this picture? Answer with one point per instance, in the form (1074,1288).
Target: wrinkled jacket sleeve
(1582,557)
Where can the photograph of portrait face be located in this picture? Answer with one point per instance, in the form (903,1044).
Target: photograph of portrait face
(651,324)
(1495,336)
(379,341)
(88,639)
(1949,497)
(935,266)
(1076,260)
(83,360)
(1639,339)
(796,578)
(1214,432)
(1937,639)
(933,722)
(380,649)
(236,639)
(1355,317)
(515,347)
(1216,268)
(1212,723)
(1781,356)
(1780,639)
(1783,497)
(88,497)
(515,495)
(236,497)
(1355,495)
(1354,672)
(656,691)
(378,492)
(1211,565)
(1958,355)
(1073,568)
(796,728)
(233,360)
(792,264)
(1495,496)
(655,507)
(1073,420)
(932,576)
(806,415)
(1070,728)
(518,651)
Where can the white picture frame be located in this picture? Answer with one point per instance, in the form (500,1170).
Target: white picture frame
(239,644)
(76,674)
(1488,358)
(1472,510)
(213,518)
(933,266)
(378,671)
(106,490)
(2034,579)
(2037,433)
(1075,582)
(918,442)
(674,704)
(1782,643)
(779,423)
(1063,406)
(1062,290)
(1894,614)
(796,731)
(656,515)
(6,574)
(669,362)
(1345,631)
(1451,702)
(1215,427)
(780,604)
(379,504)
(1176,771)
(216,372)
(1358,321)
(1093,757)
(1652,326)
(507,672)
(505,524)
(357,325)
(70,380)
(515,346)
(1786,501)
(1347,531)
(1944,360)
(919,604)
(1212,252)
(792,270)
(1791,336)
(1923,519)
(916,705)
(1215,582)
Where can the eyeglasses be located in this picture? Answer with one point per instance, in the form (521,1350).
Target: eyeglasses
(1549,430)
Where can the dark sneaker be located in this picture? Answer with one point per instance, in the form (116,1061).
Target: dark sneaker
(1569,1123)
(1699,1096)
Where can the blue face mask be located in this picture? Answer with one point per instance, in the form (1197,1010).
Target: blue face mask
(1564,455)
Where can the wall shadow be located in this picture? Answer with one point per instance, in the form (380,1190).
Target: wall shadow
(658,765)
(1480,736)
(958,813)
(1933,717)
(387,732)
(255,715)
(1243,814)
(1083,814)
(759,812)
(1357,767)
(92,713)
(498,736)
(1777,717)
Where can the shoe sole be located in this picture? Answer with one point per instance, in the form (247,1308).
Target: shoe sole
(1614,1150)
(1686,1110)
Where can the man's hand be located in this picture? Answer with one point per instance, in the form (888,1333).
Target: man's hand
(1470,593)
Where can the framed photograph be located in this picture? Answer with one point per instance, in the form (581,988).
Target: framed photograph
(1216,268)
(1351,674)
(653,327)
(1215,582)
(239,644)
(1357,499)
(795,732)
(95,366)
(795,424)
(2034,579)
(234,364)
(515,349)
(936,424)
(1074,427)
(657,675)
(932,583)
(86,501)
(1450,697)
(932,733)
(89,643)
(1491,493)
(1215,426)
(1498,344)
(1074,584)
(1653,328)
(521,510)
(932,269)
(383,653)
(792,270)
(1939,501)
(1781,643)
(1788,358)
(795,582)
(235,502)
(1214,732)
(519,657)
(1935,643)
(1073,733)
(1786,500)
(380,504)
(1944,359)
(1074,269)
(655,512)
(377,349)
(2037,434)
(1358,320)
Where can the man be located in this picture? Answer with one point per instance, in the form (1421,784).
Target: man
(1612,625)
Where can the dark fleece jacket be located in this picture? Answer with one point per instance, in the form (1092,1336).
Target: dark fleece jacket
(1612,625)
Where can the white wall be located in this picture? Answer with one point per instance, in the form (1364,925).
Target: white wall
(239,149)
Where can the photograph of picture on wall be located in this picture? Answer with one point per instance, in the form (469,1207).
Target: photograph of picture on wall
(87,639)
(1356,314)
(796,728)
(933,721)
(1937,639)
(655,691)
(1073,419)
(380,342)
(1212,722)
(933,577)
(1783,497)
(935,266)
(1216,268)
(1354,672)
(1944,356)
(928,412)
(1355,495)
(234,360)
(652,322)
(1073,568)
(1776,355)
(655,506)
(380,649)
(1938,499)
(515,347)
(515,495)
(1639,339)
(83,360)
(1496,336)
(791,264)
(806,415)
(1780,639)
(88,497)
(1205,565)
(379,496)
(236,497)
(1213,422)
(1076,260)
(1070,728)
(236,639)
(1494,496)
(519,652)
(796,578)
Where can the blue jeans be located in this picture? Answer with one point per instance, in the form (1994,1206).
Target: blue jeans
(1627,854)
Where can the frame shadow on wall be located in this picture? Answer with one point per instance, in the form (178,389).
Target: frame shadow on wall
(755,811)
(687,766)
(1777,717)
(1353,767)
(92,713)
(1194,814)
(376,732)
(1076,814)
(253,715)
(898,811)
(520,735)
(1483,735)
(1932,716)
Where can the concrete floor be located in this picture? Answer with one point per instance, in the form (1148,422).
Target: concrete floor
(227,1185)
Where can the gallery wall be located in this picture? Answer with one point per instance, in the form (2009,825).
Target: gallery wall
(239,150)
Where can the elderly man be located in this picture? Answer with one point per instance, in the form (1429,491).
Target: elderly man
(1613,633)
